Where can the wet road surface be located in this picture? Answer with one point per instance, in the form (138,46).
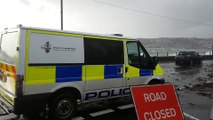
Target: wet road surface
(194,86)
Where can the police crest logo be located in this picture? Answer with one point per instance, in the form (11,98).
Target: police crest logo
(47,47)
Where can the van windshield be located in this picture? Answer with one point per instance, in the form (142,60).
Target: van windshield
(8,48)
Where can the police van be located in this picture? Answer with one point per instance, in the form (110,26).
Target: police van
(54,69)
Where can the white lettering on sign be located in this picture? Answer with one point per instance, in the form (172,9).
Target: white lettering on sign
(160,114)
(152,97)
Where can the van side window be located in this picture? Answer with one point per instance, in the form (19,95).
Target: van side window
(133,54)
(101,51)
(137,57)
(144,58)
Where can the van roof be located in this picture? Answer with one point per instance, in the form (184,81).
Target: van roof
(116,35)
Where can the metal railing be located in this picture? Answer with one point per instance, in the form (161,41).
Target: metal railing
(175,53)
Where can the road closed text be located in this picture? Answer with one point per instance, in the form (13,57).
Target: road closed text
(160,114)
(156,102)
(154,97)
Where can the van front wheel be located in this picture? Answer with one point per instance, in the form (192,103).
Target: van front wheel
(63,107)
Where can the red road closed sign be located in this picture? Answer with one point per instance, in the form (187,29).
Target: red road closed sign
(156,102)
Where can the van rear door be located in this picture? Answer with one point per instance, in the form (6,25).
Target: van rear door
(8,60)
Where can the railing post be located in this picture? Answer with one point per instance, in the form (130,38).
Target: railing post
(61,14)
(212,49)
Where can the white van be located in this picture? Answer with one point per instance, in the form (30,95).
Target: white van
(42,68)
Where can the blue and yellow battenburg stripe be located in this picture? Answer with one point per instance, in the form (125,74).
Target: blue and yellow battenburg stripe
(60,74)
(136,72)
(98,72)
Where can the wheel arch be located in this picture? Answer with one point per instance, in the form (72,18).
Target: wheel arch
(76,92)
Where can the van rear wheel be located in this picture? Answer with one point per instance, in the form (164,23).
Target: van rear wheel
(63,107)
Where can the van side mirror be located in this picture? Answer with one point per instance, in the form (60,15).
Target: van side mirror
(154,61)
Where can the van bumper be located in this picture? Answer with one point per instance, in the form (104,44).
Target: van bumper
(31,103)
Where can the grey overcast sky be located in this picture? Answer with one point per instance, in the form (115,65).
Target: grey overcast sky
(132,18)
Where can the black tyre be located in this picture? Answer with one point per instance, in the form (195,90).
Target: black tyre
(63,107)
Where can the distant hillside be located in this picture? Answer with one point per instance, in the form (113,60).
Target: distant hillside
(178,43)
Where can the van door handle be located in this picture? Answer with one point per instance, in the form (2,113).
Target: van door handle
(120,70)
(126,69)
